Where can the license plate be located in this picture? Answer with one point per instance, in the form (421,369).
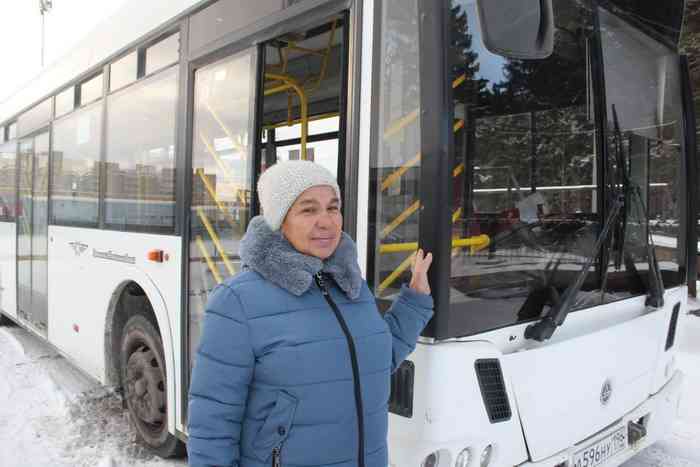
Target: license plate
(601,451)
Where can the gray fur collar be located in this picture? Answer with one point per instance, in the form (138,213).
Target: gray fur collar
(269,254)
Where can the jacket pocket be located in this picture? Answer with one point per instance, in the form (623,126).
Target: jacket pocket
(276,427)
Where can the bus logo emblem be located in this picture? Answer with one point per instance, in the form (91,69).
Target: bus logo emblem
(606,392)
(78,247)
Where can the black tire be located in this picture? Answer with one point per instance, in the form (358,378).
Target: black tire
(142,371)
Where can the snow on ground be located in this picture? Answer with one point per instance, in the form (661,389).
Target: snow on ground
(680,447)
(51,415)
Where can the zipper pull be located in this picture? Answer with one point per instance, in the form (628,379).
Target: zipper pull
(276,462)
(321,283)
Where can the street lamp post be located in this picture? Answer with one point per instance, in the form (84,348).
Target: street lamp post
(44,7)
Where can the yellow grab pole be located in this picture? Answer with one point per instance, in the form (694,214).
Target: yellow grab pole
(304,106)
(207,258)
(476,243)
(395,274)
(400,124)
(395,176)
(217,159)
(212,193)
(215,239)
(399,220)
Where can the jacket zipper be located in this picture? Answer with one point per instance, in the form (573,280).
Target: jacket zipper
(355,367)
(276,461)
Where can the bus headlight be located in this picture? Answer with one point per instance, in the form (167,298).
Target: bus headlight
(486,456)
(439,458)
(432,460)
(463,458)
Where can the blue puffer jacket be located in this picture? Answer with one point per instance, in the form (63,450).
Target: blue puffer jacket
(274,377)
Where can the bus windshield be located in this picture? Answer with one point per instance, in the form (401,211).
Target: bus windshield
(529,175)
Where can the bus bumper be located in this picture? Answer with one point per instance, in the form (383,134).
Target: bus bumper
(655,416)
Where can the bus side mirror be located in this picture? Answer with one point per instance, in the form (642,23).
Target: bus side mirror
(520,29)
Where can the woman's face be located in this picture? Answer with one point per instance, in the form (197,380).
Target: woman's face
(314,222)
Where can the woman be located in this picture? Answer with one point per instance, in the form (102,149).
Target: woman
(294,363)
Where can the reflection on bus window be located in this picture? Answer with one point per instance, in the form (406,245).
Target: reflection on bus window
(91,90)
(140,165)
(526,169)
(650,136)
(524,174)
(221,169)
(8,164)
(163,53)
(32,119)
(123,71)
(75,167)
(64,102)
(396,160)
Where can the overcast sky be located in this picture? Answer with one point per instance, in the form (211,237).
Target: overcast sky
(20,35)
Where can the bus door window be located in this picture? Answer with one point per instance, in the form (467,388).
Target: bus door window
(221,176)
(303,81)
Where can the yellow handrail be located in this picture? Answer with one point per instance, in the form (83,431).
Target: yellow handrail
(207,258)
(212,193)
(399,220)
(215,155)
(476,243)
(396,175)
(291,83)
(215,239)
(401,123)
(324,62)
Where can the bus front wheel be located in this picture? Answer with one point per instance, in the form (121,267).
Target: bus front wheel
(144,384)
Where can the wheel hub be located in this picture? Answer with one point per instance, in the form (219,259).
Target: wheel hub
(144,386)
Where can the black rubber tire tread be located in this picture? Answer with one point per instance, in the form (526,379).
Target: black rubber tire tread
(139,330)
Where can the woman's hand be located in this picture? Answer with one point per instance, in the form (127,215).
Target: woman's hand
(419,270)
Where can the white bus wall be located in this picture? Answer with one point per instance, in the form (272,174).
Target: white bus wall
(448,410)
(83,290)
(8,269)
(554,388)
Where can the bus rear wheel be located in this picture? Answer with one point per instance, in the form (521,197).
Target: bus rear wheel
(144,383)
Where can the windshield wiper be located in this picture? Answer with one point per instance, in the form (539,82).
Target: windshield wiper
(544,328)
(625,191)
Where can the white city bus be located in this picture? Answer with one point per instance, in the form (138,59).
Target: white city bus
(542,150)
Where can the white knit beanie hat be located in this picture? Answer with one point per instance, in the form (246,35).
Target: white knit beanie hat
(280,185)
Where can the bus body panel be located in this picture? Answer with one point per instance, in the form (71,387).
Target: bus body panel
(559,387)
(448,410)
(8,269)
(660,411)
(78,256)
